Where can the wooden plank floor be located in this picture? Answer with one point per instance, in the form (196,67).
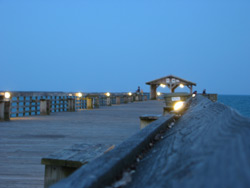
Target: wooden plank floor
(24,141)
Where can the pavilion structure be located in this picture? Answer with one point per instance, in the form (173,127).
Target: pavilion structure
(171,81)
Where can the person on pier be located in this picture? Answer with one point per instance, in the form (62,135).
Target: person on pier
(138,90)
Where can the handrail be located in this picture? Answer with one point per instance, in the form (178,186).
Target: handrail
(23,103)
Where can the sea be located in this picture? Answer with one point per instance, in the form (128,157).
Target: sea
(240,103)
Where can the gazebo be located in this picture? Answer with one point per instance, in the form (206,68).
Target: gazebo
(172,82)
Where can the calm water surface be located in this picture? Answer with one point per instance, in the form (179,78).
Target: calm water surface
(240,103)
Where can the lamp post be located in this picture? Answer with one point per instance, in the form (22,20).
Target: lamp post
(5,106)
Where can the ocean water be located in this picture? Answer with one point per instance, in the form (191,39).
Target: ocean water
(241,103)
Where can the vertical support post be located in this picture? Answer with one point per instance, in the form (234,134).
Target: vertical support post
(4,110)
(59,104)
(17,106)
(118,100)
(96,102)
(172,90)
(191,89)
(153,92)
(140,97)
(137,97)
(30,104)
(89,103)
(109,101)
(64,103)
(1,110)
(44,107)
(130,98)
(36,104)
(71,105)
(24,105)
(125,99)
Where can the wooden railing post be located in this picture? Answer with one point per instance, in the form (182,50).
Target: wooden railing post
(36,105)
(136,98)
(96,102)
(44,107)
(89,103)
(118,100)
(4,110)
(109,102)
(71,105)
(30,105)
(130,99)
(125,100)
(17,105)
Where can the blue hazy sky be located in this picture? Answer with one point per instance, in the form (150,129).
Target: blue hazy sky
(56,45)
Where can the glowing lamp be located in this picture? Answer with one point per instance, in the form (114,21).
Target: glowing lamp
(163,85)
(181,86)
(158,93)
(108,94)
(193,95)
(178,105)
(79,94)
(129,93)
(7,95)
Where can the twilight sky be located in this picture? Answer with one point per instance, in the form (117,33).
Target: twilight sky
(94,46)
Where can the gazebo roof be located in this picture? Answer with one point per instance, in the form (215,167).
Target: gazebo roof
(163,81)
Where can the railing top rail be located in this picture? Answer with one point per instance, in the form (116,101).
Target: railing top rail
(59,93)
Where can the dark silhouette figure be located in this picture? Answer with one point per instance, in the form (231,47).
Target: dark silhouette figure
(204,92)
(138,90)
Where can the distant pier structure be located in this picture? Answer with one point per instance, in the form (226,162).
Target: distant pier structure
(171,81)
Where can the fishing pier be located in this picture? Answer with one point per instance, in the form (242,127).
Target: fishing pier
(62,140)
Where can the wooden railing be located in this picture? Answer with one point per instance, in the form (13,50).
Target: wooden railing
(29,103)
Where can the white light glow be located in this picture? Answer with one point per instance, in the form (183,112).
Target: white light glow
(129,93)
(181,86)
(158,93)
(179,105)
(79,94)
(108,94)
(163,85)
(7,95)
(70,95)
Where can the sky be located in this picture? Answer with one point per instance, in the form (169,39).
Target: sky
(116,46)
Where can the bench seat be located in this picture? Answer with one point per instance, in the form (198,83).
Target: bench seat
(61,164)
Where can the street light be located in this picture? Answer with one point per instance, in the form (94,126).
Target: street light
(7,95)
(178,105)
(108,94)
(79,94)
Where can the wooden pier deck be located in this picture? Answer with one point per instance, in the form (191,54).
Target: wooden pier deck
(24,141)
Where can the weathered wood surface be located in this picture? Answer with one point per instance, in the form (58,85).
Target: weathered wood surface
(150,116)
(146,119)
(25,140)
(76,155)
(61,164)
(209,146)
(105,169)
